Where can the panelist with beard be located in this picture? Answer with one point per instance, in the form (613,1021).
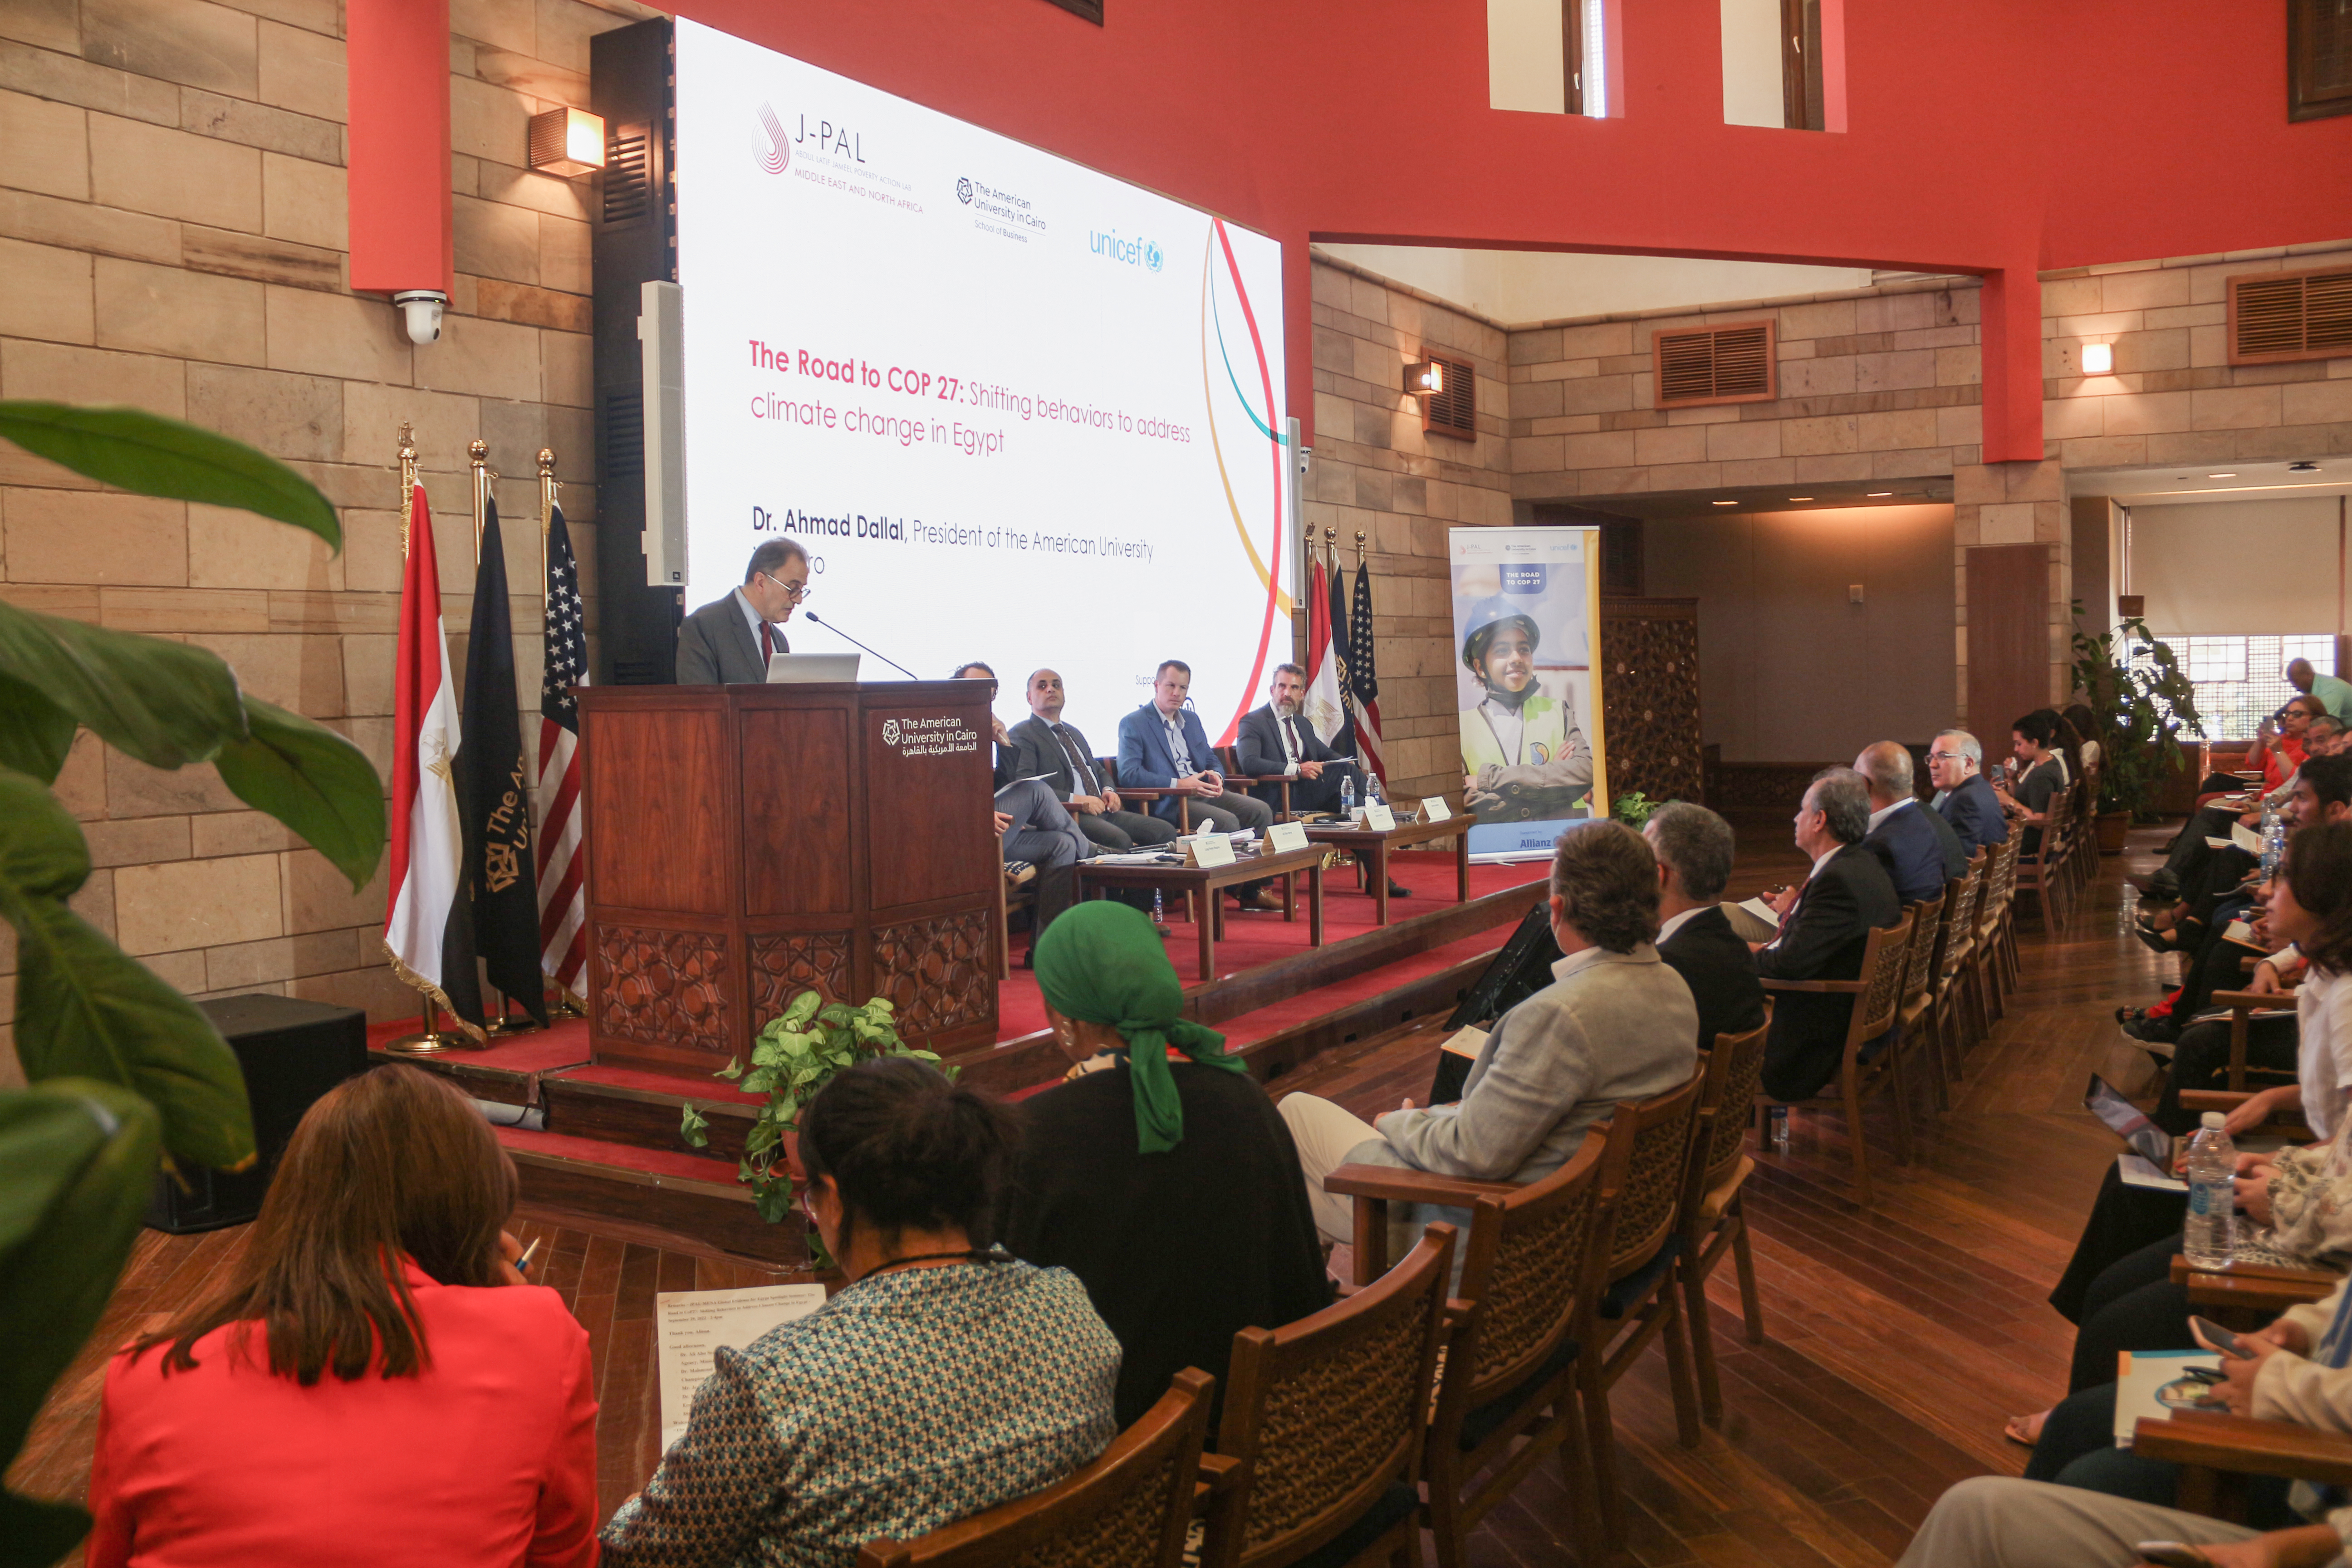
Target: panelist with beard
(1524,758)
(1277,741)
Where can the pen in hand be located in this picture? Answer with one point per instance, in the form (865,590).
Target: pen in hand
(522,1263)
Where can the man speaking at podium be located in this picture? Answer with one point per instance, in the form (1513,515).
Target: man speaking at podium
(728,641)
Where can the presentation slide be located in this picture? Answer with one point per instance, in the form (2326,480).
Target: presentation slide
(1018,411)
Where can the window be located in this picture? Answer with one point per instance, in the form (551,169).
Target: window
(1802,104)
(1549,56)
(1713,365)
(1585,45)
(2318,58)
(2242,681)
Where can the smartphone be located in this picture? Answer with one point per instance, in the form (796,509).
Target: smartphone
(2172,1554)
(2213,1336)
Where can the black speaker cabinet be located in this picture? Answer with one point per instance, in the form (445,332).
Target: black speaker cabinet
(292,1052)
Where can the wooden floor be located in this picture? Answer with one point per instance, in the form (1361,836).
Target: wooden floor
(1899,1336)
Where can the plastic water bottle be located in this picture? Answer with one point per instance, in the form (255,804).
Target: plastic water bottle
(1778,1117)
(1373,796)
(2127,916)
(2273,842)
(1160,908)
(1348,797)
(2209,1238)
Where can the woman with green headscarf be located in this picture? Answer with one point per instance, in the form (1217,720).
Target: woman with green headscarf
(1160,1173)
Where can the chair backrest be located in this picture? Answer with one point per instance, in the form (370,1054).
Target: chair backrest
(2053,828)
(1960,912)
(1130,1509)
(1734,1070)
(1918,958)
(2001,885)
(1643,1170)
(1522,1268)
(1881,993)
(1327,1412)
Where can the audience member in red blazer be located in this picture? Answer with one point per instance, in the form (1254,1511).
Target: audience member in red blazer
(374,1382)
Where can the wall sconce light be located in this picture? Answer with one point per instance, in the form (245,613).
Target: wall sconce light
(1425,377)
(2098,359)
(567,142)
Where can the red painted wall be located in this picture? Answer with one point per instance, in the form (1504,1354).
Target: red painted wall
(398,181)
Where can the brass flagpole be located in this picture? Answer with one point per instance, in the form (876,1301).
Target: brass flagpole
(431,1037)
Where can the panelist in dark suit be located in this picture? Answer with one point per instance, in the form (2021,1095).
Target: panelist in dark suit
(728,641)
(1007,767)
(1277,741)
(1163,746)
(1917,846)
(1694,847)
(1964,797)
(1824,927)
(1045,748)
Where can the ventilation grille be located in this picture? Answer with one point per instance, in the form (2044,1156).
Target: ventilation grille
(2291,315)
(628,173)
(625,436)
(1454,411)
(1713,365)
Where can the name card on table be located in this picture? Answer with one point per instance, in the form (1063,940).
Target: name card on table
(1284,836)
(1209,849)
(1380,818)
(1434,809)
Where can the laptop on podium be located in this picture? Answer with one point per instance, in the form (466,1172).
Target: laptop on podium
(809,669)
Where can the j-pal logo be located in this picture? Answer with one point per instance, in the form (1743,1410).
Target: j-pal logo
(1114,247)
(777,155)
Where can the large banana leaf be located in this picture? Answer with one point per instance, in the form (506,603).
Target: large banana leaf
(154,455)
(77,1164)
(34,733)
(312,780)
(87,1009)
(166,703)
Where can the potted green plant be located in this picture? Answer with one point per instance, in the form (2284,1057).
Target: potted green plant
(797,1055)
(1634,808)
(2130,679)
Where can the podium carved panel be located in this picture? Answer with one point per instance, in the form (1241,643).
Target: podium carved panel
(665,987)
(937,971)
(785,963)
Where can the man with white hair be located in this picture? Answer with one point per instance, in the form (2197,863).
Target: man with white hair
(1918,846)
(1963,797)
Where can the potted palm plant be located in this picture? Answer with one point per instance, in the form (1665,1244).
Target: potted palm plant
(2144,702)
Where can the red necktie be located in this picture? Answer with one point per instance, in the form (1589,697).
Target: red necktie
(767,642)
(1291,729)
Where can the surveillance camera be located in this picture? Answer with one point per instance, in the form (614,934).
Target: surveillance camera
(421,309)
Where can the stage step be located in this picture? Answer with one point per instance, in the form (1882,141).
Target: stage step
(659,1192)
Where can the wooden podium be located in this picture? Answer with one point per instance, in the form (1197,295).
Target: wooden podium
(747,843)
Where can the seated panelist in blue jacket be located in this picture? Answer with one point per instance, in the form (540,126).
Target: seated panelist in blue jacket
(1162,745)
(1964,797)
(1919,849)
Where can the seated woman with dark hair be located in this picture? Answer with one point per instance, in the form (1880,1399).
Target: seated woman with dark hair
(1160,1174)
(945,1379)
(2040,774)
(360,1389)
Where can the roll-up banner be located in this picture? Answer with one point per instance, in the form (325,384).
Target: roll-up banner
(1526,618)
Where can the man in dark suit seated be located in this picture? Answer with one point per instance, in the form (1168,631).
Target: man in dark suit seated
(1695,849)
(728,641)
(1825,924)
(1163,746)
(1918,846)
(1964,797)
(1277,741)
(1042,745)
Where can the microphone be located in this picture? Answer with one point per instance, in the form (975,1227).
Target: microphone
(853,642)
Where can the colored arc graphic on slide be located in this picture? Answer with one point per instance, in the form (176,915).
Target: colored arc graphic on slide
(1274,597)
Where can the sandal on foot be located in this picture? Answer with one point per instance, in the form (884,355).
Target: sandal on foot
(2025,1431)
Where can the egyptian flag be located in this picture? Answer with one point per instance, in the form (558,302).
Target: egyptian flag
(428,926)
(562,857)
(1363,684)
(1324,708)
(1343,665)
(494,791)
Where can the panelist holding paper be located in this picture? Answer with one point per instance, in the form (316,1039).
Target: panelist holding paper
(728,641)
(1163,746)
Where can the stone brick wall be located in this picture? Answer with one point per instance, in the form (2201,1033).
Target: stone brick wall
(1375,469)
(173,236)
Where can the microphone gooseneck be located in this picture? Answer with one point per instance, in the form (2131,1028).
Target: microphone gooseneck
(845,636)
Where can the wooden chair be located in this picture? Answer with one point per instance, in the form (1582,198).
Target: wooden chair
(2243,1005)
(1529,1279)
(1149,794)
(1130,1509)
(2086,832)
(1229,761)
(1712,1224)
(1644,1179)
(1950,991)
(1914,1013)
(1326,1417)
(2216,1452)
(2041,873)
(1877,995)
(1996,932)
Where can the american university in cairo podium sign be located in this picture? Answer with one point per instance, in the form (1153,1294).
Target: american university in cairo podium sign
(944,735)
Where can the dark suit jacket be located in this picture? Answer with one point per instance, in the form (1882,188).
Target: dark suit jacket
(716,648)
(1259,746)
(1144,760)
(1918,858)
(1035,752)
(1975,814)
(1721,974)
(1823,938)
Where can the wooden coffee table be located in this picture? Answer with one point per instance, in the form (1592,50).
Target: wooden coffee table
(1093,879)
(1342,837)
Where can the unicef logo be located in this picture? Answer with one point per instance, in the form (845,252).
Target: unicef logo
(889,732)
(1151,257)
(963,192)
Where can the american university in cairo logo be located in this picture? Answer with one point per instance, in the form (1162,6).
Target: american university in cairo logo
(889,732)
(963,191)
(777,156)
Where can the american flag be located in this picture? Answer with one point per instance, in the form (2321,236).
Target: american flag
(1363,683)
(562,857)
